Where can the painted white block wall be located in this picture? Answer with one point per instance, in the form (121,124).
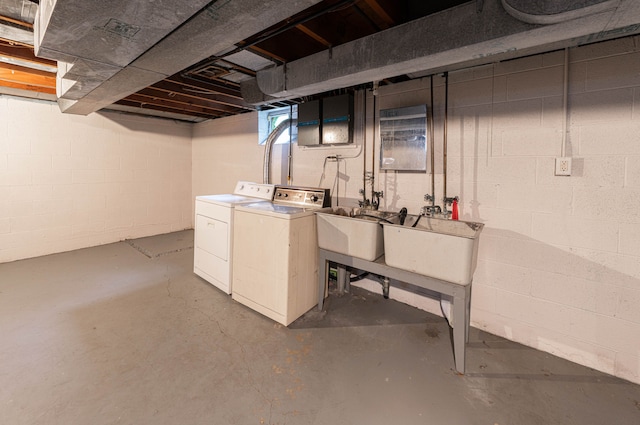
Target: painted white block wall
(69,182)
(559,261)
(225,151)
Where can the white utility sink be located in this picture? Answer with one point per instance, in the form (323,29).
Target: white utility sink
(353,231)
(435,247)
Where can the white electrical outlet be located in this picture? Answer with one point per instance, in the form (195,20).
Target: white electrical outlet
(563,166)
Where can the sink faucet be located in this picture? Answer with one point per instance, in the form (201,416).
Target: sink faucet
(430,198)
(377,195)
(430,210)
(364,202)
(448,201)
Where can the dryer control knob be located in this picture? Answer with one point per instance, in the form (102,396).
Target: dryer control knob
(313,198)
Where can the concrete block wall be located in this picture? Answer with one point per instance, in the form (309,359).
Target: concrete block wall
(558,265)
(559,260)
(69,182)
(225,151)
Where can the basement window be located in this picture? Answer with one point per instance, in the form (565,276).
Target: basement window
(270,119)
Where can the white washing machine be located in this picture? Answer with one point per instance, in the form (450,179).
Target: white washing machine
(213,250)
(275,267)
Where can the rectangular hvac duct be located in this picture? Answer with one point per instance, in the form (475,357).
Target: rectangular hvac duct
(111,32)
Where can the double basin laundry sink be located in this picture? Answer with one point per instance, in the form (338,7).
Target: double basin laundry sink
(439,248)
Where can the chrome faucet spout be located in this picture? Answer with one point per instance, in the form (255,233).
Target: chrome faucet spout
(430,210)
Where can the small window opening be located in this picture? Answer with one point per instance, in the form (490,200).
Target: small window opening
(269,120)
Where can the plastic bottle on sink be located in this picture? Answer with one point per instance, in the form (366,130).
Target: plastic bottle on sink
(454,210)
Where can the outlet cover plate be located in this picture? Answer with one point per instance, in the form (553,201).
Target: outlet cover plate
(563,166)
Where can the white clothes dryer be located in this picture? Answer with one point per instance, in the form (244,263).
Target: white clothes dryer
(214,235)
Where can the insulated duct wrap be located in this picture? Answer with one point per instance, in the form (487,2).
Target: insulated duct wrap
(556,11)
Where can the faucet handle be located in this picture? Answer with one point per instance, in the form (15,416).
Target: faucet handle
(428,198)
(449,201)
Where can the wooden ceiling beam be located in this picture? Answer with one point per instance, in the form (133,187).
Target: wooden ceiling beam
(313,35)
(196,92)
(16,22)
(239,68)
(183,99)
(28,76)
(145,101)
(144,104)
(15,42)
(24,53)
(231,89)
(28,87)
(382,15)
(267,54)
(171,104)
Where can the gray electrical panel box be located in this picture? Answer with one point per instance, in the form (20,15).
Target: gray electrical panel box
(309,123)
(403,138)
(327,121)
(337,120)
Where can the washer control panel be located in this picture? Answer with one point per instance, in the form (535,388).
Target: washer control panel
(307,197)
(255,190)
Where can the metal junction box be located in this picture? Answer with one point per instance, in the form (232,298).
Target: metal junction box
(337,119)
(309,123)
(403,138)
(327,121)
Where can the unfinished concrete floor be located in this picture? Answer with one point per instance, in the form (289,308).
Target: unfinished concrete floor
(108,335)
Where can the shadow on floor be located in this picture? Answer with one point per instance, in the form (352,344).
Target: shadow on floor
(360,307)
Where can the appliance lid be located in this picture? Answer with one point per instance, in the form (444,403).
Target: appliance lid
(227,199)
(277,210)
(271,207)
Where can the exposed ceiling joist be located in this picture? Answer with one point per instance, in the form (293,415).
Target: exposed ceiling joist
(23,53)
(313,35)
(17,35)
(27,25)
(206,87)
(381,13)
(214,59)
(452,39)
(20,77)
